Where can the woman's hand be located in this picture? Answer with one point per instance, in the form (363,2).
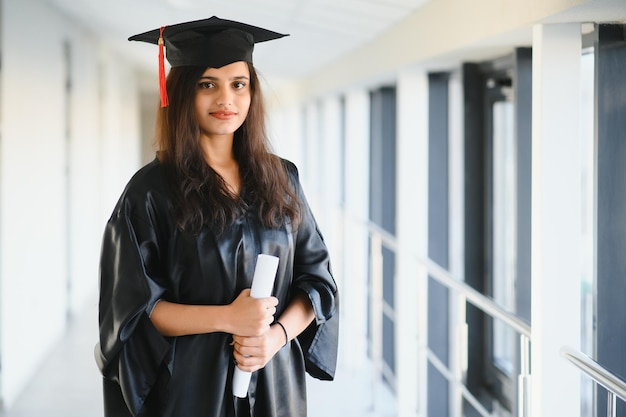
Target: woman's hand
(251,317)
(253,353)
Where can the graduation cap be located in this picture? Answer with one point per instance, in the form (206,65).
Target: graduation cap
(212,42)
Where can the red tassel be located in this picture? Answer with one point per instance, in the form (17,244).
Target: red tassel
(162,85)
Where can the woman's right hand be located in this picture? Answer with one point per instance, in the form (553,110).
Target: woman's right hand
(250,316)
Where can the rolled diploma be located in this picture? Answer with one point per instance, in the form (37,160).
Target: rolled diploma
(262,285)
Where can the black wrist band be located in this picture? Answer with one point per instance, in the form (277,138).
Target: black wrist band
(284,331)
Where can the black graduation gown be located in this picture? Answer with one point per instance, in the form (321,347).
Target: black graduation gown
(145,257)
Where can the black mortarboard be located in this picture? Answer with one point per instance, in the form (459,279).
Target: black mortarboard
(212,42)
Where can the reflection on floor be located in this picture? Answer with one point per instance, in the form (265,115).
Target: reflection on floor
(68,383)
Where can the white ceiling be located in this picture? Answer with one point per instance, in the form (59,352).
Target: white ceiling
(321,30)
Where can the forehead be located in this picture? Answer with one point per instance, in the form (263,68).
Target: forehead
(236,69)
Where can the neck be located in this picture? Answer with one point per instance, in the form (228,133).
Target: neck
(218,151)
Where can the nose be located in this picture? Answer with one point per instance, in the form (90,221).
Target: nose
(224,98)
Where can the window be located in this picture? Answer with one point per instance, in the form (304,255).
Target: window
(504,231)
(497,96)
(383,213)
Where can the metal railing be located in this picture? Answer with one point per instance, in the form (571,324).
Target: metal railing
(380,238)
(615,386)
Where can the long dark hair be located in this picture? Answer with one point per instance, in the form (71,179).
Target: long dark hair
(202,197)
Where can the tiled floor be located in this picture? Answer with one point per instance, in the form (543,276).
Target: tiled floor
(68,384)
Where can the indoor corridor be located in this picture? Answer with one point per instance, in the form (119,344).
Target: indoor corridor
(68,383)
(463,159)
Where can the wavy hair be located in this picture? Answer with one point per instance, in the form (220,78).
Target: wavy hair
(201,195)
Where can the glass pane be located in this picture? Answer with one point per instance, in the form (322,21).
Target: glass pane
(504,229)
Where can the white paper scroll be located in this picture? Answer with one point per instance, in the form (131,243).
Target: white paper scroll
(262,285)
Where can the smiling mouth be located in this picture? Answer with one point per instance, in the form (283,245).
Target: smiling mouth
(223,115)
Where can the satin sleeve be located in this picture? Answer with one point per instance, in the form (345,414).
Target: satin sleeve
(131,350)
(313,275)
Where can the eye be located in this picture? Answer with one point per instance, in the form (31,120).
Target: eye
(238,85)
(206,85)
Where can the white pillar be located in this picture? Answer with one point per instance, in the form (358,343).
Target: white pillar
(33,187)
(84,205)
(412,227)
(310,169)
(331,175)
(285,122)
(556,202)
(458,344)
(356,256)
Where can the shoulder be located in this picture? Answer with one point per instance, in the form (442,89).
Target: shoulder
(290,167)
(151,178)
(151,175)
(148,184)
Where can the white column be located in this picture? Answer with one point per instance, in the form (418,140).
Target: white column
(33,186)
(556,202)
(412,227)
(310,169)
(331,175)
(86,224)
(458,344)
(120,138)
(285,123)
(356,256)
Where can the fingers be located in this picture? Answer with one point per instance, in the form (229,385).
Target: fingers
(265,317)
(245,352)
(271,301)
(267,301)
(249,341)
(249,367)
(252,353)
(252,316)
(267,306)
(252,360)
(268,310)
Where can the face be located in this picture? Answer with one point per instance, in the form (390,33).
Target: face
(222,100)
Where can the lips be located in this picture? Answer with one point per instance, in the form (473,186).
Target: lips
(223,114)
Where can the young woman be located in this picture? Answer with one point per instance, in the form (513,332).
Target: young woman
(179,251)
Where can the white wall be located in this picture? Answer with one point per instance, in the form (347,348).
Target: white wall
(556,219)
(32,186)
(356,244)
(284,122)
(442,32)
(412,225)
(46,272)
(84,197)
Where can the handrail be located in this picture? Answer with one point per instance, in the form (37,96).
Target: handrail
(474,297)
(379,237)
(595,371)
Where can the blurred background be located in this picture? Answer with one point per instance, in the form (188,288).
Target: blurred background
(462,158)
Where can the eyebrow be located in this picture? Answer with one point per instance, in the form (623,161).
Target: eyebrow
(237,77)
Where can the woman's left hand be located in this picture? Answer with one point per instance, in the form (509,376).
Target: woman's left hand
(253,353)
